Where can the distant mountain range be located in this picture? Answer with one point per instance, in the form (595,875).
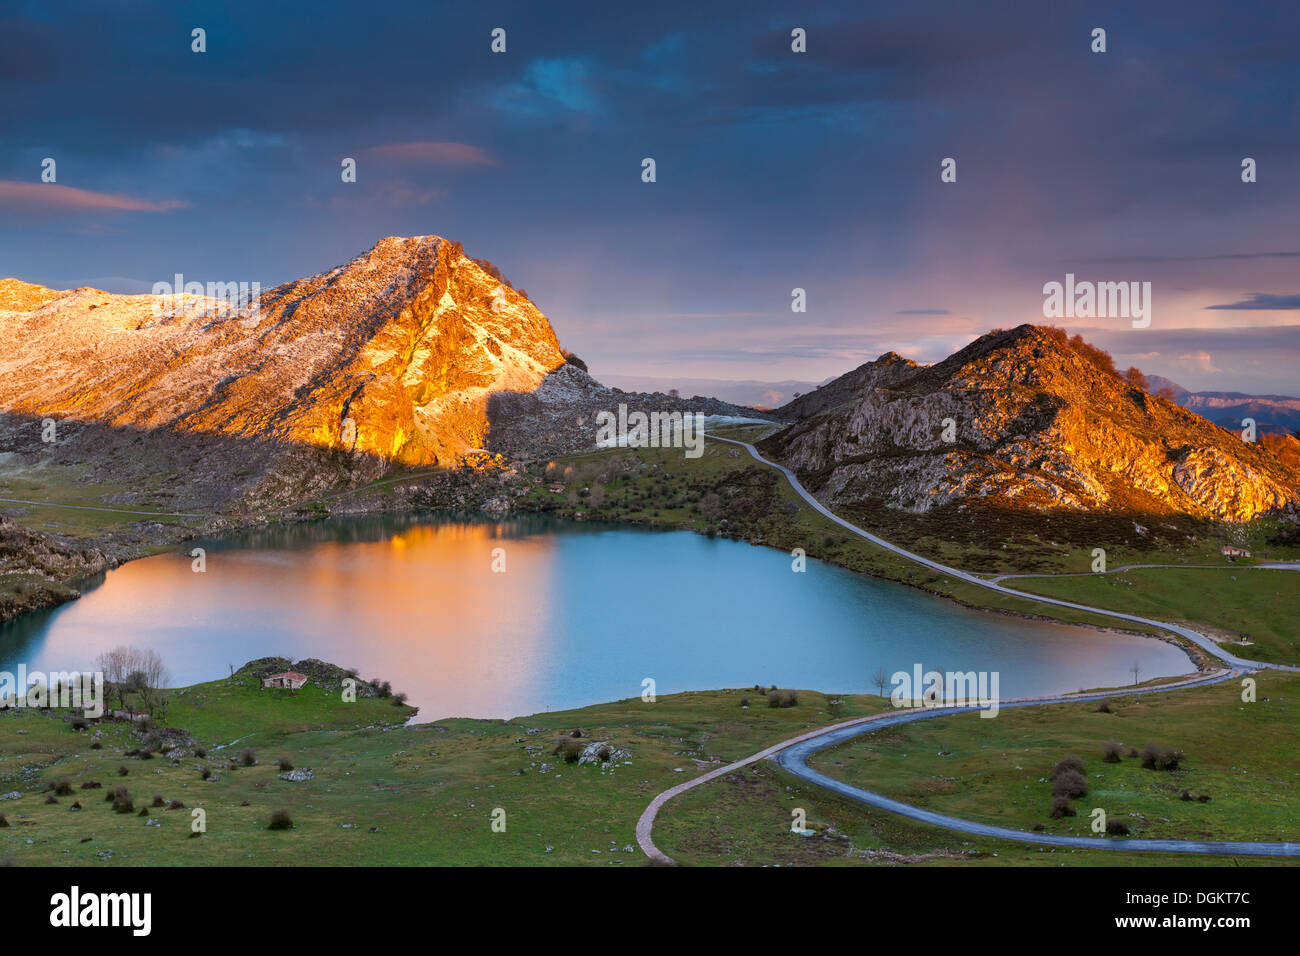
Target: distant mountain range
(748,392)
(1273,414)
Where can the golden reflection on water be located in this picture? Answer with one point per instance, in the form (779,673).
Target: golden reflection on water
(435,620)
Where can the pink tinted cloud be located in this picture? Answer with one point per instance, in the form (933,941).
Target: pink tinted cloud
(450,154)
(54,196)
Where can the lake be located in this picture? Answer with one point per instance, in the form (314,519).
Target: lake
(582,614)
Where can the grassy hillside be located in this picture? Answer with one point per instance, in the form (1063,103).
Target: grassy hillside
(385,794)
(1253,608)
(1242,755)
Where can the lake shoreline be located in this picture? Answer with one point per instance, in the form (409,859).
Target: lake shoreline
(232,526)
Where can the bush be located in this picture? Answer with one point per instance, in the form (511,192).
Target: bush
(280,820)
(122,771)
(63,788)
(1110,753)
(205,773)
(91,785)
(1103,707)
(158,800)
(3,822)
(175,805)
(1069,763)
(51,799)
(285,765)
(568,748)
(1061,808)
(247,758)
(1070,783)
(1116,828)
(123,803)
(79,723)
(200,752)
(399,700)
(782,698)
(744,702)
(1160,758)
(96,746)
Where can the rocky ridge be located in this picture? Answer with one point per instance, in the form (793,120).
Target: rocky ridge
(1038,424)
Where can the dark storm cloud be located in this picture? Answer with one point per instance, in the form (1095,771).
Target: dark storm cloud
(775,169)
(1263,301)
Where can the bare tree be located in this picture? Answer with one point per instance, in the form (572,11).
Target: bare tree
(880,679)
(130,670)
(1136,668)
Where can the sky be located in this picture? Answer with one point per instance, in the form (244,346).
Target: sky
(774,169)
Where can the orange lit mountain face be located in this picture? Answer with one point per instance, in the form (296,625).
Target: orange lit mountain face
(1038,425)
(407,341)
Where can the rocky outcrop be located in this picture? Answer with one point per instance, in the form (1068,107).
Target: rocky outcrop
(389,359)
(1022,419)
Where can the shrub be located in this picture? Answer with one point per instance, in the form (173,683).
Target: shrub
(158,800)
(280,820)
(1061,807)
(123,803)
(568,748)
(91,785)
(200,752)
(1110,753)
(782,698)
(63,788)
(122,771)
(399,700)
(1116,828)
(96,746)
(79,723)
(1103,707)
(1070,783)
(744,702)
(1067,764)
(247,758)
(1203,798)
(175,805)
(205,773)
(76,805)
(3,822)
(1160,758)
(285,764)
(1185,795)
(144,812)
(51,799)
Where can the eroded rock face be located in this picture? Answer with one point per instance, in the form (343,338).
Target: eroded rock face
(1037,425)
(390,358)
